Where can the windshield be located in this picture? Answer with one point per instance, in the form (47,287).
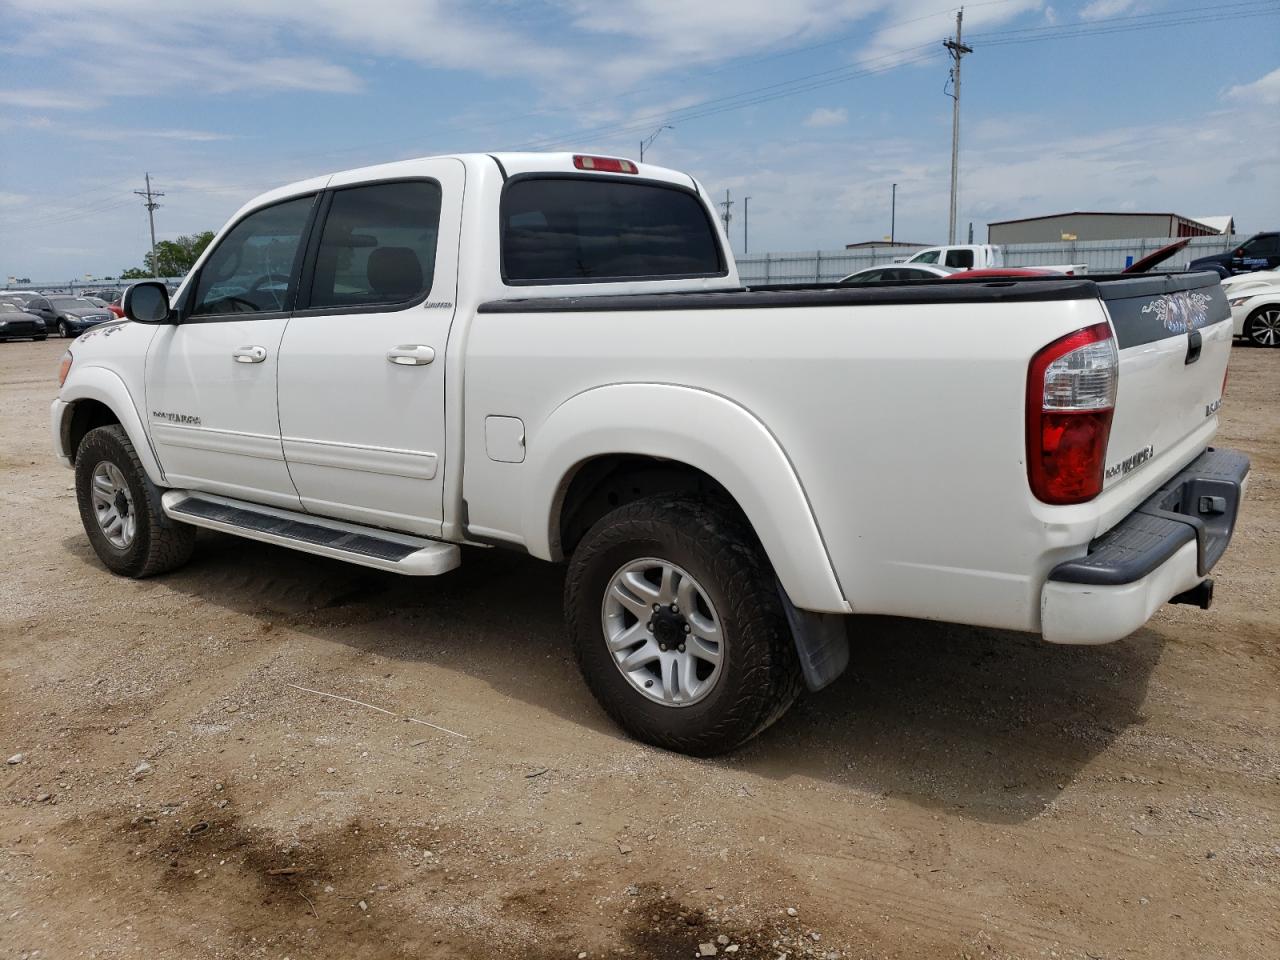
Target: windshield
(72,303)
(9,307)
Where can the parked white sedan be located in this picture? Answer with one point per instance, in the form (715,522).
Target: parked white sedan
(1234,286)
(1255,313)
(898,271)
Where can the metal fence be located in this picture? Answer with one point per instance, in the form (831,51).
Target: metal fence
(826,266)
(74,287)
(1102,256)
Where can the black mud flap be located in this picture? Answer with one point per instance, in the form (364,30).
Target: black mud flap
(821,643)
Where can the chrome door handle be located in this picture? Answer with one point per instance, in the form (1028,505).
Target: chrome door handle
(250,354)
(411,354)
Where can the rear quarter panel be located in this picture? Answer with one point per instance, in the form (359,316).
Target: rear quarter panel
(904,424)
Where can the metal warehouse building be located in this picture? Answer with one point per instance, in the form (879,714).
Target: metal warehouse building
(1097,226)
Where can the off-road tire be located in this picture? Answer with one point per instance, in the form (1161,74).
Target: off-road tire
(160,543)
(761,674)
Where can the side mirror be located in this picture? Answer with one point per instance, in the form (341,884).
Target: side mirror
(146,302)
(1239,252)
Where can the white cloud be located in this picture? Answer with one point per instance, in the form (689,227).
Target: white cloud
(187,136)
(1019,168)
(827,117)
(1101,9)
(45,100)
(1264,91)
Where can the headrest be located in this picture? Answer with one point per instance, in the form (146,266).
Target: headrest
(395,273)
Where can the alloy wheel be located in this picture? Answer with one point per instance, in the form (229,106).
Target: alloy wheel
(663,632)
(1264,327)
(113,505)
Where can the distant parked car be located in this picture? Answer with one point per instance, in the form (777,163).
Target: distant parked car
(896,271)
(17,324)
(95,300)
(70,316)
(117,310)
(20,297)
(1259,252)
(1255,314)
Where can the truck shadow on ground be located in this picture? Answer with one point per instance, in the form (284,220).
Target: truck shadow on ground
(987,723)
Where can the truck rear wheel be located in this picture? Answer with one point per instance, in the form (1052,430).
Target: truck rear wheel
(678,627)
(120,508)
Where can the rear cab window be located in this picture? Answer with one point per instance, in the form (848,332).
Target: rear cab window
(571,229)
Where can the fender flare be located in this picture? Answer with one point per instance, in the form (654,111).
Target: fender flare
(703,430)
(106,386)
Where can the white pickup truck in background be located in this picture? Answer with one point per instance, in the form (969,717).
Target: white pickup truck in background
(983,256)
(553,354)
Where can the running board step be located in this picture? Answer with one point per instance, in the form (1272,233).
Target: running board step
(368,546)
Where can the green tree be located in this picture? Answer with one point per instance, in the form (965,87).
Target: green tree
(173,257)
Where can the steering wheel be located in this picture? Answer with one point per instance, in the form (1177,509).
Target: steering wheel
(259,285)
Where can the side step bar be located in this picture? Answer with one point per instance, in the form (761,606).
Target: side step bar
(367,546)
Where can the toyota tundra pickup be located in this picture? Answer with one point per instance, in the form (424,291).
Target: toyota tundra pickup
(553,354)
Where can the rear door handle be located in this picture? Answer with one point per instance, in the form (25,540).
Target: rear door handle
(411,354)
(250,354)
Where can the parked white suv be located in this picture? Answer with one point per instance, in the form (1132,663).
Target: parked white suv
(553,354)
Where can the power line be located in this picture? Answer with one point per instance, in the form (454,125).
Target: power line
(1240,10)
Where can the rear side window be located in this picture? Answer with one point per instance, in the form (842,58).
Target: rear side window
(573,229)
(960,258)
(378,245)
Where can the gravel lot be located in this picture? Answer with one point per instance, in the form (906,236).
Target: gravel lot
(959,793)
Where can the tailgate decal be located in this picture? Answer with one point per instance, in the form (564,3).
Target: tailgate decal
(1180,312)
(1144,310)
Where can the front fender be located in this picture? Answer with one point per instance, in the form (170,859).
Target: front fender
(105,386)
(703,430)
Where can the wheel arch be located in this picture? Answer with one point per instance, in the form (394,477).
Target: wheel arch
(645,438)
(94,397)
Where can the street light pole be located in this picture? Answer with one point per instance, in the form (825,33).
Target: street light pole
(648,141)
(893,213)
(746,213)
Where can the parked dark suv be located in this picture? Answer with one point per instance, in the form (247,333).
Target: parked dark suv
(1259,252)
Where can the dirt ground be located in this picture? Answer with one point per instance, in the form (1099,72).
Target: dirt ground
(959,793)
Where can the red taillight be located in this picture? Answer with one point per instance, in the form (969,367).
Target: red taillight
(604,164)
(1071,396)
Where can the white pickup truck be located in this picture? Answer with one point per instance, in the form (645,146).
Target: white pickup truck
(553,354)
(982,256)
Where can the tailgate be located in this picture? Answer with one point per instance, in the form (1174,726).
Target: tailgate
(1174,335)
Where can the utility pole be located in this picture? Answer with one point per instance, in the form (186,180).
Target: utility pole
(648,141)
(893,213)
(151,215)
(726,216)
(746,221)
(957,50)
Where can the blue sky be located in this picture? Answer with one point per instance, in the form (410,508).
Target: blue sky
(812,108)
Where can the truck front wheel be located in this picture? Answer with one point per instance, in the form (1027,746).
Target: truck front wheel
(120,508)
(678,627)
